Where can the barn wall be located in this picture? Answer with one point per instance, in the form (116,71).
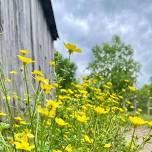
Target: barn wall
(24,27)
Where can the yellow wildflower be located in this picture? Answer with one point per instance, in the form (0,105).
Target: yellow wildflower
(46,88)
(126,81)
(65,136)
(43,111)
(41,79)
(25,60)
(48,123)
(129,102)
(57,150)
(47,113)
(114,96)
(18,118)
(120,97)
(109,84)
(82,118)
(71,48)
(150,124)
(23,146)
(56,85)
(16,125)
(87,139)
(132,88)
(107,146)
(68,148)
(106,86)
(23,52)
(136,121)
(38,73)
(123,90)
(20,121)
(60,122)
(21,141)
(132,107)
(13,72)
(100,110)
(52,104)
(2,114)
(139,110)
(52,63)
(23,123)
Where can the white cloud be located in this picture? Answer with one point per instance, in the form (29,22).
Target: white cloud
(78,23)
(88,23)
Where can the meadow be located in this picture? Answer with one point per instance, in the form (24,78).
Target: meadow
(87,117)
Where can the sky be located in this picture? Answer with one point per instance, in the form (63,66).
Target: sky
(90,22)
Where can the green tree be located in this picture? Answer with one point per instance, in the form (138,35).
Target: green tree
(65,70)
(144,96)
(114,61)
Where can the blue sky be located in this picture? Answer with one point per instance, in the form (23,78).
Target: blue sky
(90,22)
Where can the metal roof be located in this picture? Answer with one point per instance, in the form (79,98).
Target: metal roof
(49,15)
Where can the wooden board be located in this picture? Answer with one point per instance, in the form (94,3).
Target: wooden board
(24,27)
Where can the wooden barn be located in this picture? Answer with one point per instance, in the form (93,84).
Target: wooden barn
(30,25)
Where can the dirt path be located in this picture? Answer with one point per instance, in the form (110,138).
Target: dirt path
(140,132)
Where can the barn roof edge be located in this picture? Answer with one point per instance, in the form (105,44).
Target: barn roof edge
(50,19)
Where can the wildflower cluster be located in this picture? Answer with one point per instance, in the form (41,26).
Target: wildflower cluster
(86,117)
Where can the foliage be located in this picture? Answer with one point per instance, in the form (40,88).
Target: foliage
(65,70)
(87,117)
(115,63)
(143,96)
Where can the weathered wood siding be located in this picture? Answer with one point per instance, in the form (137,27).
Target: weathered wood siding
(24,27)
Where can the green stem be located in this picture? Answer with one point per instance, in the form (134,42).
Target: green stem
(27,91)
(132,138)
(69,56)
(2,79)
(36,131)
(35,102)
(94,135)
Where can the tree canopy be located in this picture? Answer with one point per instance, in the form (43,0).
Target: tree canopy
(114,61)
(65,70)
